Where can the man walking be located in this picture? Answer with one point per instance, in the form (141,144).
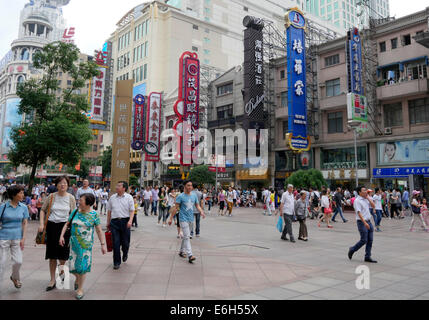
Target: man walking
(185,203)
(197,214)
(338,199)
(155,198)
(147,197)
(85,189)
(314,203)
(363,217)
(287,208)
(120,214)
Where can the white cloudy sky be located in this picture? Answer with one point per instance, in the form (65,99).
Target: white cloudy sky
(95,20)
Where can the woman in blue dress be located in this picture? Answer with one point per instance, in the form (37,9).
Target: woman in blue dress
(83,222)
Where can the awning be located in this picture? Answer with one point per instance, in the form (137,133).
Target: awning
(416,59)
(401,64)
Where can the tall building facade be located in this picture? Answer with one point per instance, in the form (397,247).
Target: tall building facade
(348,13)
(40,23)
(150,38)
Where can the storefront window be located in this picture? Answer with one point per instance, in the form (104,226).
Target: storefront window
(343,158)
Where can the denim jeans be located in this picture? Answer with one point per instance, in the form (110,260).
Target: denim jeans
(121,237)
(340,211)
(186,242)
(209,202)
(154,206)
(197,224)
(366,238)
(378,216)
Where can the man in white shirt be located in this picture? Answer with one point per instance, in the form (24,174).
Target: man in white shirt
(363,217)
(378,209)
(120,214)
(147,199)
(85,189)
(287,207)
(266,199)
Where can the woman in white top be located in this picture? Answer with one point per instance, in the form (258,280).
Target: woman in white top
(326,209)
(104,198)
(57,208)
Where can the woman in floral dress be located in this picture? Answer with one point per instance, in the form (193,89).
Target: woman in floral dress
(83,224)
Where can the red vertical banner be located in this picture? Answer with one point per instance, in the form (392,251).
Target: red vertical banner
(138,127)
(153,127)
(188,105)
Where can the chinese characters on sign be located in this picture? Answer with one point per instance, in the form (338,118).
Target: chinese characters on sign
(355,62)
(122,132)
(254,95)
(153,127)
(187,107)
(98,84)
(139,122)
(297,90)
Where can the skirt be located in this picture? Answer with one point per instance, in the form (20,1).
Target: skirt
(53,249)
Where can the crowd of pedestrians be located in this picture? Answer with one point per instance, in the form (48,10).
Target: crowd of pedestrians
(69,216)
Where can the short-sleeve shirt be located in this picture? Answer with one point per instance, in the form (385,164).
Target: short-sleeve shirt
(199,197)
(147,195)
(82,191)
(11,220)
(221,196)
(362,205)
(121,207)
(377,201)
(288,202)
(187,203)
(155,195)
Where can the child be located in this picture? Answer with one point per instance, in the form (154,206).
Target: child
(136,209)
(425,211)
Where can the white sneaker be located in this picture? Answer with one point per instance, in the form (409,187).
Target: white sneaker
(163,225)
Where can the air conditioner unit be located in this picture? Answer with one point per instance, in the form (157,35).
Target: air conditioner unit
(387,131)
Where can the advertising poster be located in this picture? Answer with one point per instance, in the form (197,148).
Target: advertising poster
(403,152)
(12,119)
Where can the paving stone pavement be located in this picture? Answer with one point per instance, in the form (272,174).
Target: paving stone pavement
(242,257)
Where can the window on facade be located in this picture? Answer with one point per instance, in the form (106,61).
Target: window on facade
(145,72)
(333,88)
(406,40)
(194,48)
(69,82)
(394,43)
(382,46)
(335,122)
(225,89)
(25,54)
(246,9)
(195,27)
(94,148)
(283,99)
(225,112)
(282,74)
(170,124)
(329,61)
(419,110)
(285,128)
(392,114)
(343,158)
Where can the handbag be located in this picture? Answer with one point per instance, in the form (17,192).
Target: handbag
(67,234)
(280,224)
(109,243)
(41,236)
(416,210)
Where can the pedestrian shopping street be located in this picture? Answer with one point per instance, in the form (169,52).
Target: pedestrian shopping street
(242,257)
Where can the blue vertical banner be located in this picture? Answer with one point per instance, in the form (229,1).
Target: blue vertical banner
(297,87)
(355,62)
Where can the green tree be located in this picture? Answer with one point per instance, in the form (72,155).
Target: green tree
(57,129)
(303,179)
(106,161)
(134,181)
(201,175)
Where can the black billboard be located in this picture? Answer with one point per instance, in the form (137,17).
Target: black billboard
(254,96)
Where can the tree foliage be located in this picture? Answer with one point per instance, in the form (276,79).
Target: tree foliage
(106,161)
(201,175)
(57,129)
(303,179)
(134,181)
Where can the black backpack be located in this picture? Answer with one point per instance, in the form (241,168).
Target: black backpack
(315,199)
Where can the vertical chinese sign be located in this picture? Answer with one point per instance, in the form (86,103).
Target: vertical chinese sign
(139,121)
(254,95)
(297,89)
(153,127)
(98,83)
(122,132)
(357,106)
(187,106)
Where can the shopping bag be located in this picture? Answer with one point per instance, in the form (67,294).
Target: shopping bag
(109,242)
(280,224)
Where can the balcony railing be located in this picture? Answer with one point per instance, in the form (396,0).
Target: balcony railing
(221,122)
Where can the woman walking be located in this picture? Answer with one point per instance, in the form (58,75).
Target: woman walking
(301,212)
(163,204)
(326,209)
(32,207)
(56,209)
(40,202)
(83,221)
(221,201)
(425,211)
(13,229)
(104,198)
(417,212)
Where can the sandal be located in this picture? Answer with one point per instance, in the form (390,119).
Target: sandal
(16,283)
(80,296)
(330,227)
